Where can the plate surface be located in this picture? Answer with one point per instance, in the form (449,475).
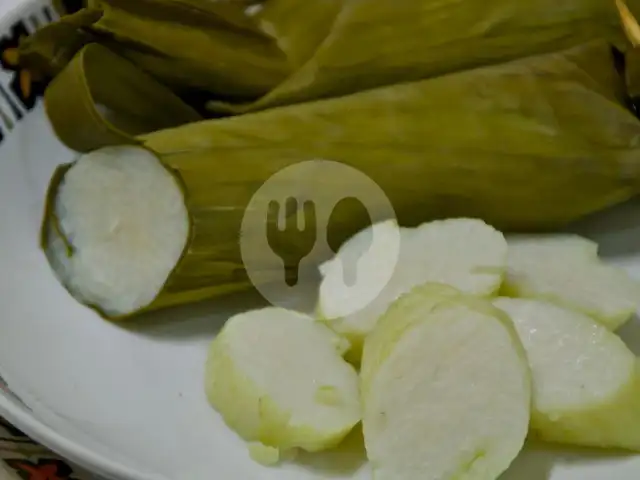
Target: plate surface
(129,403)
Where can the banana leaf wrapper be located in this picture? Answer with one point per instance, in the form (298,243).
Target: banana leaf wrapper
(96,115)
(53,46)
(299,28)
(356,53)
(528,145)
(187,44)
(374,43)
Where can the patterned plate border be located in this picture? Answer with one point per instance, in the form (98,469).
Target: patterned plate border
(20,92)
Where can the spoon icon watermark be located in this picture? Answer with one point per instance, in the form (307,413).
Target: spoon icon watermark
(287,226)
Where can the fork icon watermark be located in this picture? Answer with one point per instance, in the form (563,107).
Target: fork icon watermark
(286,230)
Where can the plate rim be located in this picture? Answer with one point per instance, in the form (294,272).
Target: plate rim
(39,431)
(19,415)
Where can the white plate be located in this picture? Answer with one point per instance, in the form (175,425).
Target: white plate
(129,404)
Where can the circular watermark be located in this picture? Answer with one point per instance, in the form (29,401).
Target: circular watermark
(284,237)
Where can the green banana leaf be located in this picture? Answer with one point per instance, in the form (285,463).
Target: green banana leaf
(530,144)
(352,45)
(97,115)
(53,46)
(298,51)
(380,42)
(299,27)
(527,145)
(187,44)
(198,44)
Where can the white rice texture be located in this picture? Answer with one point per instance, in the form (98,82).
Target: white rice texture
(451,401)
(124,217)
